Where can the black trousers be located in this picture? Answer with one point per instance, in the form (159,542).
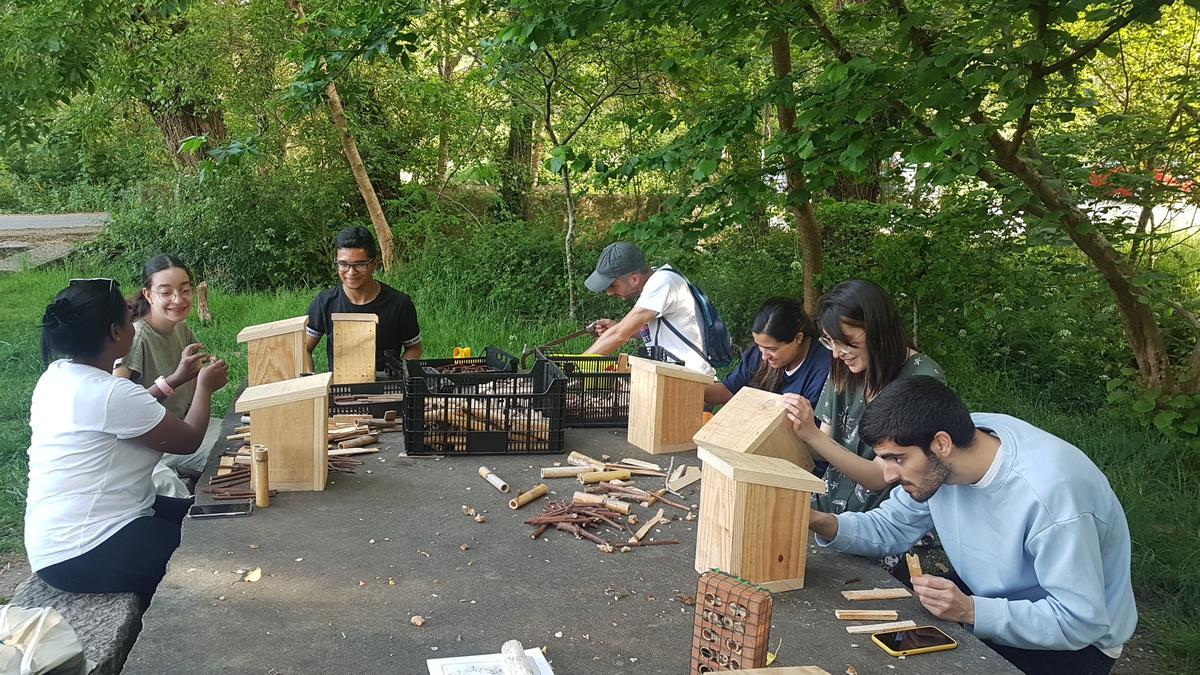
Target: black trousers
(1087,661)
(134,560)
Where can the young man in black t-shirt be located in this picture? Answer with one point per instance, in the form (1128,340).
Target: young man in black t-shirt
(357,260)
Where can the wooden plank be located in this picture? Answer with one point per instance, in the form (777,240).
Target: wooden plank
(690,475)
(294,434)
(866,614)
(670,370)
(275,358)
(354,316)
(761,470)
(786,670)
(645,529)
(718,540)
(346,452)
(774,535)
(877,594)
(880,627)
(755,422)
(265,330)
(354,347)
(682,414)
(285,391)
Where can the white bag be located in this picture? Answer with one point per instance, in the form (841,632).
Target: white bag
(39,641)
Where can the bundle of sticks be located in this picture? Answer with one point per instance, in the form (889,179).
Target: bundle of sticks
(459,368)
(586,519)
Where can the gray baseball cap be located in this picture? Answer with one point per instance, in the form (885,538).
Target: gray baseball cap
(617,259)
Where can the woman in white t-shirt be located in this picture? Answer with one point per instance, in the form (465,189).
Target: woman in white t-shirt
(92,521)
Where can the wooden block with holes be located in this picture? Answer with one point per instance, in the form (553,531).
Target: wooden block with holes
(755,422)
(732,628)
(754,517)
(275,351)
(666,405)
(291,418)
(354,347)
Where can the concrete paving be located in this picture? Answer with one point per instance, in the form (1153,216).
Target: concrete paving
(344,570)
(55,221)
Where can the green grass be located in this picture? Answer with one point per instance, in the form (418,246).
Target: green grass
(1156,478)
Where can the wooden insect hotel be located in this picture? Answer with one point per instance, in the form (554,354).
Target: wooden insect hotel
(754,517)
(291,419)
(755,422)
(275,351)
(666,405)
(354,347)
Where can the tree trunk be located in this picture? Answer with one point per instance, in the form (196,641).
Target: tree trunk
(808,231)
(350,148)
(446,66)
(1141,328)
(178,122)
(535,157)
(569,243)
(516,169)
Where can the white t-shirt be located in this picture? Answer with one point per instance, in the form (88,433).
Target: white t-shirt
(86,479)
(667,295)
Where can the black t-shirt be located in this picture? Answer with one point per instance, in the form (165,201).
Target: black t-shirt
(397,330)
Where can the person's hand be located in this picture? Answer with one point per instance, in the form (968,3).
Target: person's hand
(943,599)
(213,376)
(800,412)
(602,325)
(190,362)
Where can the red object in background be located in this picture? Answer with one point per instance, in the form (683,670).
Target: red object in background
(1100,179)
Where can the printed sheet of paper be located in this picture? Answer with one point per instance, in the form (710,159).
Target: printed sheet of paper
(485,664)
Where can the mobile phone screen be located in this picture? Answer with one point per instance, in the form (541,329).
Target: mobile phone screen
(914,638)
(219,510)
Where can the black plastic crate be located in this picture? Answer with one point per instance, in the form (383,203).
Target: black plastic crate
(388,388)
(483,413)
(493,358)
(596,394)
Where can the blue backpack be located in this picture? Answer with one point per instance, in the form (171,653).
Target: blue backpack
(718,347)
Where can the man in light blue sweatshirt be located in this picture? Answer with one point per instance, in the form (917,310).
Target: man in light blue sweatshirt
(1032,527)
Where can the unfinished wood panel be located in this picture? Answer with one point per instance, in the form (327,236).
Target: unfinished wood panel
(774,526)
(717,540)
(761,470)
(354,347)
(286,391)
(295,436)
(866,614)
(877,594)
(881,627)
(755,422)
(276,358)
(666,406)
(787,670)
(266,330)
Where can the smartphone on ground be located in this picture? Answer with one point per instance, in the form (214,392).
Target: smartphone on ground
(911,641)
(220,510)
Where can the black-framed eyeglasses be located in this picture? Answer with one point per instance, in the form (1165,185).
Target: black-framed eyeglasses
(356,266)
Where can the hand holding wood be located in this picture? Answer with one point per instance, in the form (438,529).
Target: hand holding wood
(213,376)
(800,412)
(943,599)
(190,362)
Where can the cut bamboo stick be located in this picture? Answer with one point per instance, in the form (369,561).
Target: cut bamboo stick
(580,459)
(346,452)
(880,627)
(524,498)
(359,442)
(601,476)
(877,594)
(262,483)
(496,481)
(564,471)
(914,565)
(866,614)
(588,499)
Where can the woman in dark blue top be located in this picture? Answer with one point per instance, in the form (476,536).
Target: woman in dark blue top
(787,357)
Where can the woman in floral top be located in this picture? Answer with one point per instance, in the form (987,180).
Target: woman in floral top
(861,326)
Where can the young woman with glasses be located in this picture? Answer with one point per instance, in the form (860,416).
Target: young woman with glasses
(166,356)
(861,326)
(93,523)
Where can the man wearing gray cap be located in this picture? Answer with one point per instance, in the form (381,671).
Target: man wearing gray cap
(664,311)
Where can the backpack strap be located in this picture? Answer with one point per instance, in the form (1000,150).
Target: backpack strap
(689,343)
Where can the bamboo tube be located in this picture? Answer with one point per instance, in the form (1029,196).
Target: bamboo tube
(262,481)
(580,459)
(496,481)
(524,498)
(601,476)
(359,442)
(564,471)
(588,499)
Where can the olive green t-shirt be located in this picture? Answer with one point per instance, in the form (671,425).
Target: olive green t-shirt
(154,354)
(842,411)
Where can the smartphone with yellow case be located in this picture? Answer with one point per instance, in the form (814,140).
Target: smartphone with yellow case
(920,640)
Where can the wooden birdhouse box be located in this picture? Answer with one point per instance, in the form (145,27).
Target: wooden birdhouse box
(275,350)
(666,405)
(755,422)
(291,418)
(354,347)
(754,518)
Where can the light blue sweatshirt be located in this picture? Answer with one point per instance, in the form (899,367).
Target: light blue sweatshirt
(1041,541)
